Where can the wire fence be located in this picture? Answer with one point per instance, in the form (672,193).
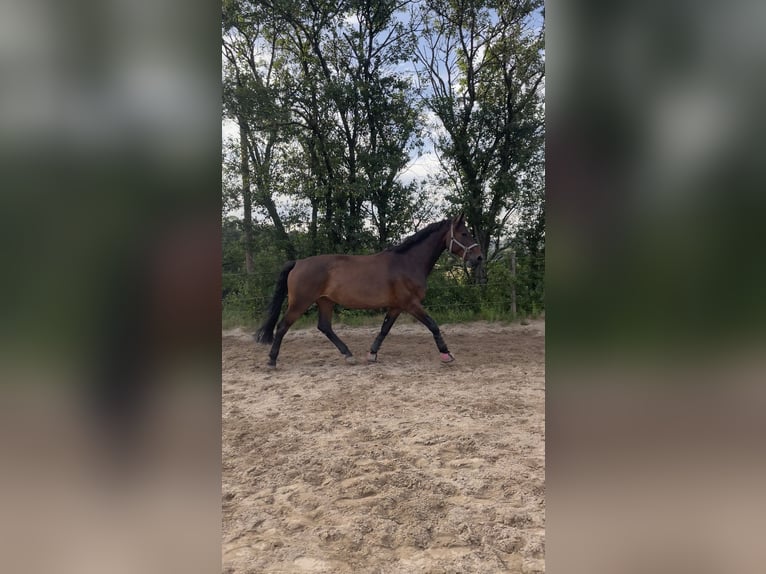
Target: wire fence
(538,259)
(513,288)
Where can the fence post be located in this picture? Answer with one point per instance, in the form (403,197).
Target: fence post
(513,283)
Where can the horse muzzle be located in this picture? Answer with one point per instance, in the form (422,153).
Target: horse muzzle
(474,260)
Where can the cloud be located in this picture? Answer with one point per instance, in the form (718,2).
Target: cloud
(420,168)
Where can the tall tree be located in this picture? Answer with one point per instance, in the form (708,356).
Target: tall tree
(247,200)
(481,65)
(357,113)
(252,100)
(390,116)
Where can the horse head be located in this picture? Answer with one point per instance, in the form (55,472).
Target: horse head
(462,243)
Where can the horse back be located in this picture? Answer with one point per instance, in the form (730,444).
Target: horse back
(353,281)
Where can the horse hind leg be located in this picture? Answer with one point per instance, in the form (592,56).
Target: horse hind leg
(325,326)
(292,314)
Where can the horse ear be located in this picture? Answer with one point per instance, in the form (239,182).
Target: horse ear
(460,218)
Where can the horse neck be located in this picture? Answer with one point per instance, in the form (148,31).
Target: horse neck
(427,253)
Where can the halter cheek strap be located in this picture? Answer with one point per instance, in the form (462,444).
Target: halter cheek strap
(453,240)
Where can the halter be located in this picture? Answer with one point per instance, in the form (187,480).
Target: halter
(453,240)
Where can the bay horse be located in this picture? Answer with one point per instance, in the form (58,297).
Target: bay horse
(394,279)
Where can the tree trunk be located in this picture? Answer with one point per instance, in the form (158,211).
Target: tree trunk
(282,235)
(261,165)
(247,198)
(513,283)
(313,227)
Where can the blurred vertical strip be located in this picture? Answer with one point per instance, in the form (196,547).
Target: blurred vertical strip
(655,308)
(110,291)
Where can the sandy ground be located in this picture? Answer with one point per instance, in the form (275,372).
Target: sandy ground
(401,466)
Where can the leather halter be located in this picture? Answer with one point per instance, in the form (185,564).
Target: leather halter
(453,240)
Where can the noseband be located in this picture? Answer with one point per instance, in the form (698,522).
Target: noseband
(453,240)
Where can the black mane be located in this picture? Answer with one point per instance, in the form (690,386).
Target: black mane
(419,237)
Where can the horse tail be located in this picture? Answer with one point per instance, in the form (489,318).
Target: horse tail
(265,333)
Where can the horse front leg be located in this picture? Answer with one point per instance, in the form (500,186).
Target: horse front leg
(388,322)
(417,311)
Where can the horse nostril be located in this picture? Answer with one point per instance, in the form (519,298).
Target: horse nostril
(478,258)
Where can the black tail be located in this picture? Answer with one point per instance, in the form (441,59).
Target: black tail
(265,334)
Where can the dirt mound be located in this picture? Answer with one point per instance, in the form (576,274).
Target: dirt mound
(401,466)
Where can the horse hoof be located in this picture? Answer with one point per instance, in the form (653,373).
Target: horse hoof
(351,359)
(372,357)
(447,358)
(271,366)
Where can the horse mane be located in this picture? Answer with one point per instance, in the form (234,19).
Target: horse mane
(418,237)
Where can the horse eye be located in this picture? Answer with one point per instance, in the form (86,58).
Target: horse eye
(465,234)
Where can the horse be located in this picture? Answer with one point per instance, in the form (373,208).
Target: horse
(394,279)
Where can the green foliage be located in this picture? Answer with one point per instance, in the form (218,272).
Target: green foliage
(452,295)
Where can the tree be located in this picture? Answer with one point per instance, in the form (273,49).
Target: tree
(481,66)
(389,115)
(252,100)
(353,114)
